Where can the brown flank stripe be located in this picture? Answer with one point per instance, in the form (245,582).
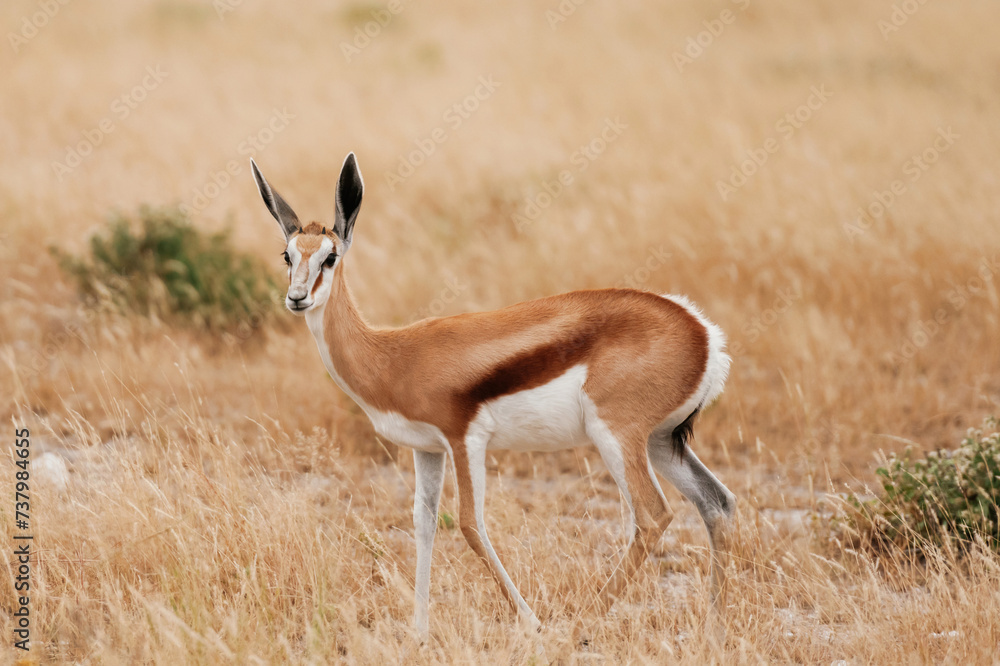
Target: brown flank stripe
(532,368)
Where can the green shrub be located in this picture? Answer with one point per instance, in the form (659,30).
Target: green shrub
(948,495)
(167,268)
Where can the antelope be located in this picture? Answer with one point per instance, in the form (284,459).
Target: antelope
(624,370)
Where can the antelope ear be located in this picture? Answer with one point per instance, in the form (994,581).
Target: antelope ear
(279,208)
(350,188)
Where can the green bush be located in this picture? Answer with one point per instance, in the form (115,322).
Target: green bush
(167,268)
(948,495)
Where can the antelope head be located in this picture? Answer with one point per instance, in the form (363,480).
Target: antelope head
(312,252)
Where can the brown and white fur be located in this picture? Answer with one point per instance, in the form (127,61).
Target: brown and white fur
(624,370)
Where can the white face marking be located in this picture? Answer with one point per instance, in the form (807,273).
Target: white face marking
(302,276)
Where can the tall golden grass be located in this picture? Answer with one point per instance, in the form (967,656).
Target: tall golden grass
(226,503)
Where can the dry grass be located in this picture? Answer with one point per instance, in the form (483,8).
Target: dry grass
(200,524)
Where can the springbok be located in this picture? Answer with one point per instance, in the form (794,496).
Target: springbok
(624,370)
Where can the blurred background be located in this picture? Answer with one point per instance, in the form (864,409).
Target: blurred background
(821,178)
(698,163)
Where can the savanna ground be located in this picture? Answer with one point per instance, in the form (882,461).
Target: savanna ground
(226,503)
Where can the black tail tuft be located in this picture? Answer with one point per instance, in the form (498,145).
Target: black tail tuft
(682,433)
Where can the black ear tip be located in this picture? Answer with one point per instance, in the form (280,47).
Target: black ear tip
(351,165)
(350,175)
(257,175)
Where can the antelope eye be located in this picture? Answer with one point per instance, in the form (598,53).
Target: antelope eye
(286,258)
(330,259)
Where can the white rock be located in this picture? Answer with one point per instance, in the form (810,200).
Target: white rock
(946,634)
(49,469)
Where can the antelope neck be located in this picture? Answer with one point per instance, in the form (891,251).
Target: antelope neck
(351,345)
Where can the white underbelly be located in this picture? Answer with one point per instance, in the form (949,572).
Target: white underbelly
(401,431)
(546,418)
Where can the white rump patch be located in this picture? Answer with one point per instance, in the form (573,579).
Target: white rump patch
(716,368)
